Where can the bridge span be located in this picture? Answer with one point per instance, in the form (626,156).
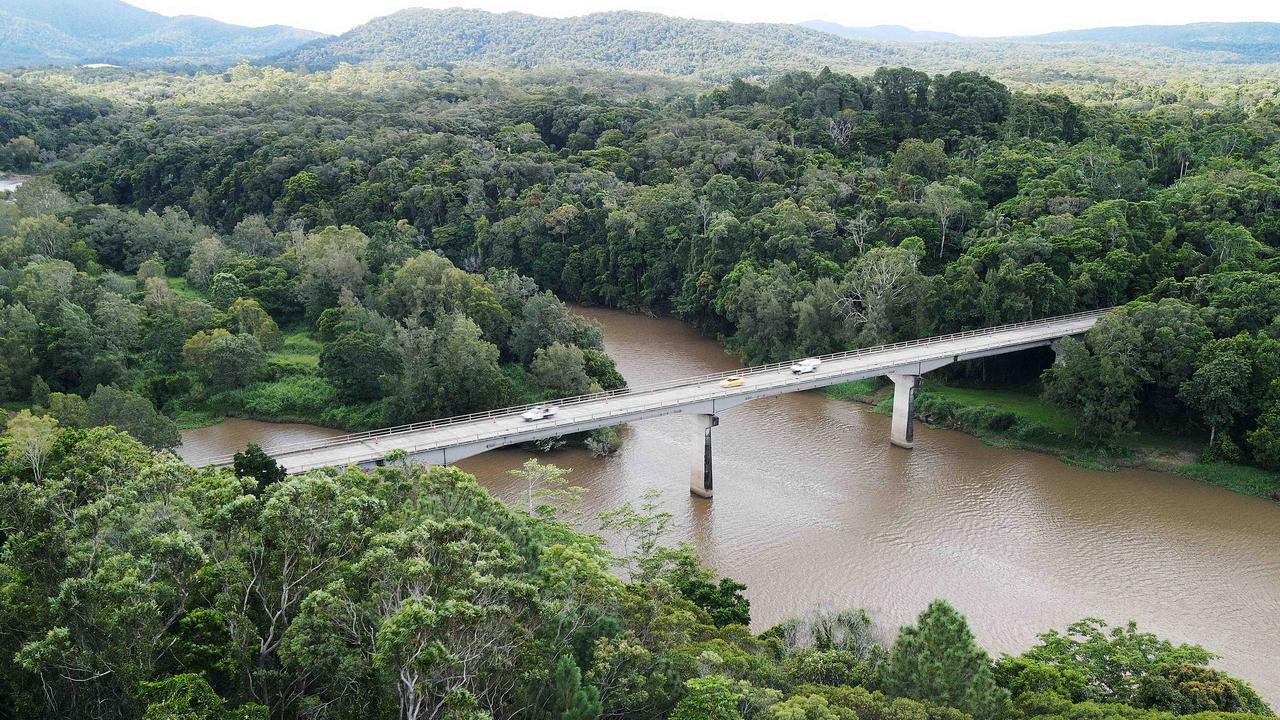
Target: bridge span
(441,442)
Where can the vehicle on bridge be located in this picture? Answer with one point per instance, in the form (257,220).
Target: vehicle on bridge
(805,366)
(539,412)
(448,440)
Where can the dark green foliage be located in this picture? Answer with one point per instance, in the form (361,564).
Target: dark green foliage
(937,660)
(1123,665)
(378,594)
(222,360)
(357,362)
(572,700)
(722,600)
(253,463)
(131,413)
(600,368)
(813,212)
(189,697)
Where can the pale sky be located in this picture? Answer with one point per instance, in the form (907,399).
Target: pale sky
(965,17)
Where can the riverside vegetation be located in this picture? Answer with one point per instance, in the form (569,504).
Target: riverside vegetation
(136,586)
(818,212)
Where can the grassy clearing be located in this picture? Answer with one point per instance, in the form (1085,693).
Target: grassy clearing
(1025,403)
(300,353)
(298,398)
(292,391)
(181,288)
(1237,478)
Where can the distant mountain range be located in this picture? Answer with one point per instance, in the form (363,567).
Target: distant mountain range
(712,50)
(72,32)
(63,32)
(883,33)
(1257,42)
(1244,41)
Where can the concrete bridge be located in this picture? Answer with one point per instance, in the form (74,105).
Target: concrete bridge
(441,442)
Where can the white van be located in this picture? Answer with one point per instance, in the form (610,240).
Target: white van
(805,366)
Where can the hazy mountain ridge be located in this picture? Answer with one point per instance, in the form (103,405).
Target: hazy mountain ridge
(884,33)
(58,32)
(1245,42)
(61,32)
(717,51)
(621,40)
(1250,41)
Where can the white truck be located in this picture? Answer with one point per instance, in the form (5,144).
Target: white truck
(805,366)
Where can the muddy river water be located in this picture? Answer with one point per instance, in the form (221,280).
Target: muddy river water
(813,507)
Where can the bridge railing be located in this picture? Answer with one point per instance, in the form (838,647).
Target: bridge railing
(632,391)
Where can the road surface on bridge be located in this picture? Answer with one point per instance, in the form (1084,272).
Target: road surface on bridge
(453,439)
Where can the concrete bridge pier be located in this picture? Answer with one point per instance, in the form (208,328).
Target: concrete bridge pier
(700,472)
(901,432)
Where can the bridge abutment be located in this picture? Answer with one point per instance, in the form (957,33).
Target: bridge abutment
(700,471)
(902,430)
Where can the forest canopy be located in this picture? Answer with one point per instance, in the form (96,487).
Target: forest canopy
(814,213)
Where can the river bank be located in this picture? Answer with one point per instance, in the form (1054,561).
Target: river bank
(1020,419)
(813,507)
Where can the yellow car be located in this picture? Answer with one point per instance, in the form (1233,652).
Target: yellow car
(731,381)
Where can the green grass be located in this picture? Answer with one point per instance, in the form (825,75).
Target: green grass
(853,390)
(299,353)
(1022,402)
(1237,478)
(192,419)
(292,390)
(181,288)
(302,398)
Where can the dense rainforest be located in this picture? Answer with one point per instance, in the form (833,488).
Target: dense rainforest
(814,213)
(363,246)
(134,586)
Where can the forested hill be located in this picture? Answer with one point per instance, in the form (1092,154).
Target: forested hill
(1247,41)
(632,41)
(719,51)
(64,32)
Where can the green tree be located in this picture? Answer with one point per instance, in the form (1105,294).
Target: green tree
(224,288)
(131,413)
(1113,661)
(548,489)
(359,364)
(222,360)
(189,697)
(1216,390)
(602,370)
(937,660)
(561,369)
(574,701)
(252,462)
(30,439)
(465,371)
(248,317)
(714,697)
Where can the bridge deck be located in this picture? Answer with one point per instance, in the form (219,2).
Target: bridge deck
(453,439)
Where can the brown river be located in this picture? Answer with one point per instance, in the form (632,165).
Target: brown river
(814,508)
